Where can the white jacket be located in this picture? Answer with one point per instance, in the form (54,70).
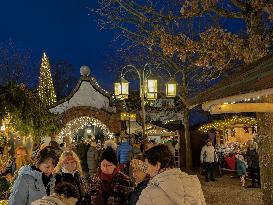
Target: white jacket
(208,154)
(172,187)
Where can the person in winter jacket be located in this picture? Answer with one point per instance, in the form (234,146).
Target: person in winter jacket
(241,167)
(69,170)
(81,151)
(252,157)
(208,158)
(34,181)
(123,152)
(109,186)
(139,169)
(64,194)
(92,159)
(169,185)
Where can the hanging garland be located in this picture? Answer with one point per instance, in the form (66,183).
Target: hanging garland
(75,125)
(3,139)
(228,123)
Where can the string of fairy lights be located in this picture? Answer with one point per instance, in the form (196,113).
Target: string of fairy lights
(73,126)
(249,121)
(46,89)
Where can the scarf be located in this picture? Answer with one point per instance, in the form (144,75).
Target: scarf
(108,177)
(106,185)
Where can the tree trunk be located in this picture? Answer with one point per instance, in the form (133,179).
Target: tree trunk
(187,139)
(265,150)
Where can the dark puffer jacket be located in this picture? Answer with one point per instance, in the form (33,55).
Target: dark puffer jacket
(137,191)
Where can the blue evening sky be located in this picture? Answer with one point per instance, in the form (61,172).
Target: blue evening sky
(61,28)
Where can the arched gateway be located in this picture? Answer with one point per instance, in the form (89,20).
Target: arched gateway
(88,104)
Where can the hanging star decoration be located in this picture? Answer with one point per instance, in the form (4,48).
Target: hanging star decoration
(246,129)
(232,132)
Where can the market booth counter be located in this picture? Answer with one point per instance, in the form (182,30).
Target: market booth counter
(171,139)
(229,137)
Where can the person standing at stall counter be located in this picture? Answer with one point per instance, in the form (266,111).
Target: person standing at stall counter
(208,157)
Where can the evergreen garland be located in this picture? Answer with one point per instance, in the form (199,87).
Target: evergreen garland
(4,186)
(26,112)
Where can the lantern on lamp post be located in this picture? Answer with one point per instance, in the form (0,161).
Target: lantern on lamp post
(121,89)
(171,88)
(151,88)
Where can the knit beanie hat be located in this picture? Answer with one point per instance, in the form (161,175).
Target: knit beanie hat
(139,165)
(109,154)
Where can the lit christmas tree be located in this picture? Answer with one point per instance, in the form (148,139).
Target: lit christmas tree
(46,89)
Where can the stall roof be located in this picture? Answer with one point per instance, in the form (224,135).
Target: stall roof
(255,78)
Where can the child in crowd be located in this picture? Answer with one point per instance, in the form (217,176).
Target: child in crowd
(241,167)
(64,194)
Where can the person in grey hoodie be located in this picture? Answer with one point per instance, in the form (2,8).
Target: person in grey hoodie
(168,185)
(35,181)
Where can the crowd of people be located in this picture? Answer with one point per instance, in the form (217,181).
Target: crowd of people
(121,174)
(243,162)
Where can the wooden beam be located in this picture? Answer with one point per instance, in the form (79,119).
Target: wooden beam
(241,107)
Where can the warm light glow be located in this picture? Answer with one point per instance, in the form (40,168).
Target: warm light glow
(228,123)
(88,130)
(121,89)
(171,88)
(125,116)
(3,128)
(151,93)
(73,126)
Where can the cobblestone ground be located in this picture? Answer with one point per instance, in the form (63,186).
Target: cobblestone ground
(227,191)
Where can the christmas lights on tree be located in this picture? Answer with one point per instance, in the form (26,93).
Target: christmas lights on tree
(46,89)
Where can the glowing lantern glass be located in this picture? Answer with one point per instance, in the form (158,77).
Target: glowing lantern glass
(151,89)
(121,89)
(171,88)
(88,130)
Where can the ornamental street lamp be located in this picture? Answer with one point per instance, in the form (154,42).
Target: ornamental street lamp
(148,88)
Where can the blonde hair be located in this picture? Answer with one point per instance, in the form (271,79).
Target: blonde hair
(24,160)
(65,154)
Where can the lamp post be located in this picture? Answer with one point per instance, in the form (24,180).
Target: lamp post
(128,116)
(148,88)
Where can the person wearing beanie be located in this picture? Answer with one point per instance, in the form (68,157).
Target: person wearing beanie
(109,185)
(139,169)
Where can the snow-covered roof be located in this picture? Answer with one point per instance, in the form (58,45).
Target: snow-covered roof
(87,93)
